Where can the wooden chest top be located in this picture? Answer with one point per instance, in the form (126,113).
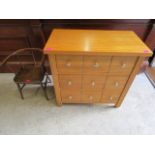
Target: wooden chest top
(89,42)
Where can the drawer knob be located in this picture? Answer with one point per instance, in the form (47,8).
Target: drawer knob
(96,65)
(111,98)
(69,83)
(70,97)
(116,84)
(124,65)
(90,97)
(93,83)
(68,64)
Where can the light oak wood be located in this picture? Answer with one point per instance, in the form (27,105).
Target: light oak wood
(91,97)
(110,96)
(94,66)
(116,82)
(69,64)
(86,42)
(93,83)
(71,96)
(55,79)
(130,80)
(123,65)
(70,82)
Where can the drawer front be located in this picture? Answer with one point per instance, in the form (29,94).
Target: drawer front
(110,96)
(69,64)
(116,82)
(70,82)
(91,97)
(122,65)
(71,97)
(96,64)
(93,83)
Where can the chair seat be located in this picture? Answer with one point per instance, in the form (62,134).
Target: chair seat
(30,75)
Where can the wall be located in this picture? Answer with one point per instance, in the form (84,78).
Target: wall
(16,34)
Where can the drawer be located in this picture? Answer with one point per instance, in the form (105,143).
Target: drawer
(69,64)
(93,83)
(96,64)
(116,82)
(71,97)
(122,65)
(110,96)
(70,82)
(91,97)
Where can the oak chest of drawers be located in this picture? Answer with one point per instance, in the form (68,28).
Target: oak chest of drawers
(94,66)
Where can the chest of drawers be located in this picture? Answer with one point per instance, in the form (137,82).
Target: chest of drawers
(94,66)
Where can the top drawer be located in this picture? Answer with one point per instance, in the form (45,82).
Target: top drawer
(67,64)
(123,65)
(76,64)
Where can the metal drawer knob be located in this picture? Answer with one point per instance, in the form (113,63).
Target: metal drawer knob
(70,97)
(96,65)
(116,84)
(90,97)
(68,64)
(93,83)
(69,83)
(124,65)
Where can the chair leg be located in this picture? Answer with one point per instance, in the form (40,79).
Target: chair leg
(20,90)
(48,79)
(44,90)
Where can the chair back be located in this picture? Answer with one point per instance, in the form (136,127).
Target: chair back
(24,57)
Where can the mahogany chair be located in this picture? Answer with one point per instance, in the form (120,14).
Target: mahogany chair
(31,68)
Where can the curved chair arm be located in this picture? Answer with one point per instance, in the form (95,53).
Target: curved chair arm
(5,60)
(22,50)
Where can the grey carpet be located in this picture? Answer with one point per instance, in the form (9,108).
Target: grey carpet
(36,115)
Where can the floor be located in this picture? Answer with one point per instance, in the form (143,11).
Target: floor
(36,115)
